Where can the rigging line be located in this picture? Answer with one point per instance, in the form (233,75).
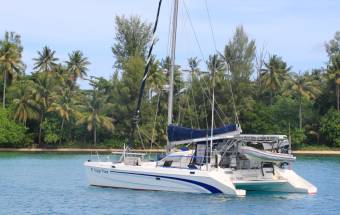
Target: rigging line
(210,100)
(204,89)
(219,110)
(201,52)
(227,67)
(214,40)
(155,120)
(143,133)
(136,114)
(210,23)
(140,130)
(193,29)
(205,110)
(198,45)
(140,136)
(189,93)
(193,99)
(204,95)
(232,94)
(179,114)
(218,105)
(192,125)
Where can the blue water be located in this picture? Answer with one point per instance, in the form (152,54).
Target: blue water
(55,184)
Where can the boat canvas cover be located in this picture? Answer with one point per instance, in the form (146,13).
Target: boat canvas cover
(177,133)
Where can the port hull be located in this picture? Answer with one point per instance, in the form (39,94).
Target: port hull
(161,179)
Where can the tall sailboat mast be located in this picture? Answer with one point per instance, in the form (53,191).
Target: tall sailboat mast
(172,64)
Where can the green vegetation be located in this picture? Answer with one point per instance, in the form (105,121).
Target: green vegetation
(330,127)
(11,133)
(46,106)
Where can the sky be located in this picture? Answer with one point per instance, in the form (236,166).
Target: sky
(295,30)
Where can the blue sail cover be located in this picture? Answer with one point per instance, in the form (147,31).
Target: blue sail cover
(177,133)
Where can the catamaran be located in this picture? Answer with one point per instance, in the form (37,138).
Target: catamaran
(215,160)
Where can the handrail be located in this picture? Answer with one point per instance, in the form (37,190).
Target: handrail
(185,156)
(129,153)
(180,161)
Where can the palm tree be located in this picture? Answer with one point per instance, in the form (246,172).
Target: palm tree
(305,88)
(24,105)
(93,117)
(334,75)
(156,78)
(77,65)
(46,61)
(63,106)
(194,65)
(215,64)
(274,73)
(43,85)
(10,60)
(93,121)
(60,72)
(156,83)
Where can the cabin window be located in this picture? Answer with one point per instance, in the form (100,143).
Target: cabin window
(167,163)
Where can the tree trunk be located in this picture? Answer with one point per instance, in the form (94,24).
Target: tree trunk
(95,136)
(4,90)
(300,113)
(337,96)
(61,131)
(40,129)
(271,97)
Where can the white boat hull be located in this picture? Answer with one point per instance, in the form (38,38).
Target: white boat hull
(282,180)
(160,178)
(150,177)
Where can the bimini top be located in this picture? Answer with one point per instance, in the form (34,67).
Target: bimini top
(180,135)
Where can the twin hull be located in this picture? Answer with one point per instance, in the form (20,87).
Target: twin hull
(162,179)
(150,177)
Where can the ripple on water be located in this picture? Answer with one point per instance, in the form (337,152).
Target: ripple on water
(55,184)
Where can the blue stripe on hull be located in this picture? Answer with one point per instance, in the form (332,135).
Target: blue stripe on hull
(208,187)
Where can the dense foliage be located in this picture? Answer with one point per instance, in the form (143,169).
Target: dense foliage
(11,133)
(330,127)
(260,91)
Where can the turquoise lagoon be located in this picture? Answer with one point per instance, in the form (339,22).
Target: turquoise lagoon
(51,183)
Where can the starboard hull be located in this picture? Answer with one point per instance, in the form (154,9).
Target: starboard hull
(281,180)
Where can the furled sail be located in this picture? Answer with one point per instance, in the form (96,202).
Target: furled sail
(180,134)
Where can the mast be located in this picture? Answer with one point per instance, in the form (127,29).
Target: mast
(212,111)
(172,65)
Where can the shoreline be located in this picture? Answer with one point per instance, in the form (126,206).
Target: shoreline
(316,152)
(84,150)
(77,150)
